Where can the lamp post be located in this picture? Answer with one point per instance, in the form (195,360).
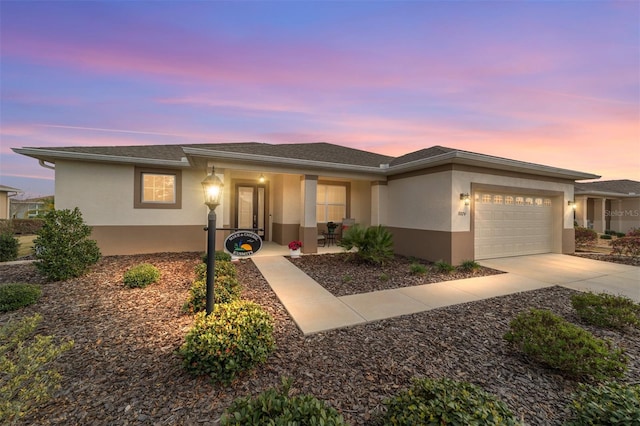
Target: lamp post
(212,187)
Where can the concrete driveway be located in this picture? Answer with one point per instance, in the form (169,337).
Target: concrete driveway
(573,272)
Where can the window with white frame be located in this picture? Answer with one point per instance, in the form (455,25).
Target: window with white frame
(331,202)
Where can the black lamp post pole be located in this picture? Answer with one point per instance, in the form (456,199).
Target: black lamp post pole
(211,259)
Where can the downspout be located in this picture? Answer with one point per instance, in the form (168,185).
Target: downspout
(46,166)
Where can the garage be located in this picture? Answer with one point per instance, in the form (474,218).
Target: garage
(512,224)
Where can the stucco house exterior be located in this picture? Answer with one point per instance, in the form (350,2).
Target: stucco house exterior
(439,203)
(5,193)
(608,205)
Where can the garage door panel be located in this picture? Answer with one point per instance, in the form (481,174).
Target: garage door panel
(511,225)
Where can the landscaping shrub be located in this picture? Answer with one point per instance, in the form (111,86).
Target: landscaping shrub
(63,248)
(445,401)
(274,407)
(225,284)
(22,226)
(633,232)
(235,337)
(469,266)
(559,344)
(585,238)
(141,275)
(606,404)
(605,237)
(606,310)
(626,246)
(218,255)
(374,245)
(16,295)
(26,380)
(8,247)
(417,268)
(443,267)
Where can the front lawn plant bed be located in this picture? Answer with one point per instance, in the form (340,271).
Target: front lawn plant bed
(124,367)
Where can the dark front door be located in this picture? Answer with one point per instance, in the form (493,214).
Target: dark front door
(250,207)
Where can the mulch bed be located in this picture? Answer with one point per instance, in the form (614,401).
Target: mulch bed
(341,273)
(623,260)
(123,368)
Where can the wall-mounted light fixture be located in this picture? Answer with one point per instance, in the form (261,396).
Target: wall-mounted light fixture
(261,178)
(572,204)
(465,197)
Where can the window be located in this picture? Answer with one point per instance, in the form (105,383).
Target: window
(529,201)
(497,199)
(508,200)
(519,201)
(547,202)
(486,198)
(157,189)
(331,203)
(538,202)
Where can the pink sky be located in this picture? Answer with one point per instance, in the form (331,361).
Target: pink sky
(555,83)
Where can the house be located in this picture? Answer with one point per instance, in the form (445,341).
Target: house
(5,193)
(440,203)
(608,205)
(30,207)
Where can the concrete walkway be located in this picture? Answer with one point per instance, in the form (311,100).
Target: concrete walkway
(314,309)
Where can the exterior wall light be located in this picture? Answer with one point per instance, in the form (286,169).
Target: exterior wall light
(572,204)
(212,187)
(261,179)
(465,197)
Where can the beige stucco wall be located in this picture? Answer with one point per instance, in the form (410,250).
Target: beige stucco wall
(624,214)
(361,202)
(104,194)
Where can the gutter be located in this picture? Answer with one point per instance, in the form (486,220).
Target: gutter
(46,154)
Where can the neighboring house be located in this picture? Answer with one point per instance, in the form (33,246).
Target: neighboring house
(5,193)
(439,203)
(30,207)
(608,205)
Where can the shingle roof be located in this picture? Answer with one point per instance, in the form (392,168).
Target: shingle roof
(622,186)
(420,155)
(320,151)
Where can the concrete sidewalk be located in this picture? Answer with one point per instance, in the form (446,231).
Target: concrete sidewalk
(314,309)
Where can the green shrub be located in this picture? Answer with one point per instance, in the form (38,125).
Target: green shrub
(63,248)
(235,337)
(626,246)
(620,234)
(8,247)
(445,401)
(374,245)
(141,275)
(469,266)
(26,226)
(585,238)
(606,310)
(274,407)
(218,255)
(606,404)
(384,277)
(559,344)
(633,232)
(605,237)
(417,268)
(226,287)
(26,381)
(443,267)
(15,296)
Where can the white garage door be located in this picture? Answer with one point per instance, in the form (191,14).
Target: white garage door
(512,224)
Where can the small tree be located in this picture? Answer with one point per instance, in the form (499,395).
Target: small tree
(374,244)
(63,248)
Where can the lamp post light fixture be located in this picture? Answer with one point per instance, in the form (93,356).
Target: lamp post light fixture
(212,187)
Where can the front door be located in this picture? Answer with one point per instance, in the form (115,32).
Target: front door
(250,208)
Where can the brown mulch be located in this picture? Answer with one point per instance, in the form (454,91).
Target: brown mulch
(123,368)
(623,260)
(341,274)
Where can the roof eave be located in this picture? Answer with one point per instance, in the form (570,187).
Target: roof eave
(51,155)
(608,194)
(473,159)
(278,161)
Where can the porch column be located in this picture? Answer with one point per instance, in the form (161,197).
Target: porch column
(308,219)
(378,203)
(599,222)
(581,211)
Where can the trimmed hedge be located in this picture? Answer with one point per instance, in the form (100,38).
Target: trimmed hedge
(606,310)
(559,344)
(446,401)
(274,407)
(606,404)
(22,226)
(141,275)
(17,295)
(236,337)
(227,288)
